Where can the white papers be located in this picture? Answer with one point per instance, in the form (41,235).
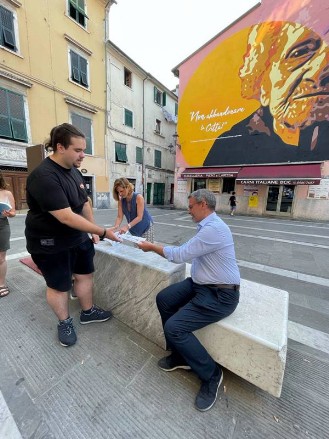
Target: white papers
(126,237)
(129,237)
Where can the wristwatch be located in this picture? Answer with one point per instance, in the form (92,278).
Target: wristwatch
(101,237)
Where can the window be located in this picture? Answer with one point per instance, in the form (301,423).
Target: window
(157,126)
(77,11)
(176,108)
(79,69)
(127,78)
(84,125)
(12,116)
(228,185)
(128,118)
(159,97)
(120,152)
(157,158)
(199,183)
(139,155)
(7,32)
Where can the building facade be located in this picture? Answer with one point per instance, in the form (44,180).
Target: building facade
(52,70)
(254,113)
(142,118)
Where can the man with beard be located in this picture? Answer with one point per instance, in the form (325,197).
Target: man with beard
(286,68)
(57,226)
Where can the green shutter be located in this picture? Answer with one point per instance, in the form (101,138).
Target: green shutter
(157,158)
(7,28)
(84,125)
(79,69)
(128,118)
(164,99)
(120,152)
(139,155)
(12,116)
(75,76)
(17,116)
(79,5)
(83,71)
(5,129)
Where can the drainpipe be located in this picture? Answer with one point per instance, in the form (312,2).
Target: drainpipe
(107,93)
(143,146)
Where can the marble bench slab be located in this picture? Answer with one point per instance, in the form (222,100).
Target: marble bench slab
(251,343)
(127,280)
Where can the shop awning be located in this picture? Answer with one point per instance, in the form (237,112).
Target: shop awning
(210,172)
(309,173)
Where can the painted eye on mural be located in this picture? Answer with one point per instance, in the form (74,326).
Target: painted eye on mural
(306,48)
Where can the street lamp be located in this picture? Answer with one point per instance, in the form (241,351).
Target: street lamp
(172,145)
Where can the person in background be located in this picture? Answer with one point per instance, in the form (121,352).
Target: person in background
(209,295)
(5,197)
(132,206)
(232,203)
(57,226)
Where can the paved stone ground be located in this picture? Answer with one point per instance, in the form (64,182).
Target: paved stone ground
(108,384)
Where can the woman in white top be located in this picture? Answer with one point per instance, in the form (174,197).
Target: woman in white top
(6,212)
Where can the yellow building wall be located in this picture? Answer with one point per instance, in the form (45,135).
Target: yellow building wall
(43,59)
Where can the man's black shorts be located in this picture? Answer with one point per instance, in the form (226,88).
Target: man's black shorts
(58,268)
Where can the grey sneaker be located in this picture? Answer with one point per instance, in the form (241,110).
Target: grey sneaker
(170,363)
(66,332)
(96,314)
(207,395)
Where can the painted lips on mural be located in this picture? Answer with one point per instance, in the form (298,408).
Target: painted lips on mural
(285,68)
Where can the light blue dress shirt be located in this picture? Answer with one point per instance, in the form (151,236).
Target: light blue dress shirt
(211,252)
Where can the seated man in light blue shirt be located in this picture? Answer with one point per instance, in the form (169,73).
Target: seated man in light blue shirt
(209,295)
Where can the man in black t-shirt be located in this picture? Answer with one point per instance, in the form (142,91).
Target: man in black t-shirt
(232,203)
(57,226)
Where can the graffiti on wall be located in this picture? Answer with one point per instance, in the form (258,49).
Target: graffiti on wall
(261,96)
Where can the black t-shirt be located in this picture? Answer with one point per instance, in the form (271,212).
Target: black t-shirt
(232,200)
(52,187)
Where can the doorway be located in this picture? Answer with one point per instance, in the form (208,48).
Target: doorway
(148,193)
(16,180)
(158,194)
(89,186)
(280,199)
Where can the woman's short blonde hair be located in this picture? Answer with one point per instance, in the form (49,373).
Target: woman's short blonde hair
(124,183)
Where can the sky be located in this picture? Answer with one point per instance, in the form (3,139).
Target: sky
(159,35)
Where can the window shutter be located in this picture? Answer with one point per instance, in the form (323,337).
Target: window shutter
(83,71)
(75,67)
(128,118)
(164,99)
(86,129)
(139,155)
(17,116)
(157,158)
(120,152)
(81,6)
(7,28)
(84,125)
(155,92)
(5,130)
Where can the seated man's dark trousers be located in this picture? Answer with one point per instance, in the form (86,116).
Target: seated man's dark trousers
(185,307)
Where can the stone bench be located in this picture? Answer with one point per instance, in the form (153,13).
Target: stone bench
(251,343)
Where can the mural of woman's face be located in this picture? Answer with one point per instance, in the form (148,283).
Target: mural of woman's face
(297,85)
